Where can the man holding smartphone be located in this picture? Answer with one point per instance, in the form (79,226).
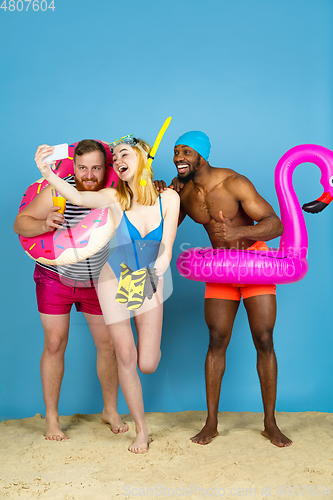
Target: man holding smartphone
(59,287)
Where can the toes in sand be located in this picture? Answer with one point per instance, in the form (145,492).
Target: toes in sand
(276,437)
(115,422)
(205,436)
(141,444)
(54,432)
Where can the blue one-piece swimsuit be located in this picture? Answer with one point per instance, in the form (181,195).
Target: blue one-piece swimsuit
(135,251)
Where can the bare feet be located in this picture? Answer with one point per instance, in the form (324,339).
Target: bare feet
(141,443)
(53,430)
(273,433)
(115,422)
(206,435)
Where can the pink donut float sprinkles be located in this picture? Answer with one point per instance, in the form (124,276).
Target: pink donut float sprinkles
(283,265)
(69,245)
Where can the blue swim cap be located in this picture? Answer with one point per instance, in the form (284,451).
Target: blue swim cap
(196,140)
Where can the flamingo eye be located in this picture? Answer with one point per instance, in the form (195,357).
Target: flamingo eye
(331,181)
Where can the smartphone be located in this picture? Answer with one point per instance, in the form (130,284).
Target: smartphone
(60,152)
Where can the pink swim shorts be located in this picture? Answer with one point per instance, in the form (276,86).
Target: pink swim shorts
(54,297)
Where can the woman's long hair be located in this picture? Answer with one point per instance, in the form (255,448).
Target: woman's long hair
(147,194)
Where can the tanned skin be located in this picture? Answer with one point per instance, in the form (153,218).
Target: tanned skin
(227,205)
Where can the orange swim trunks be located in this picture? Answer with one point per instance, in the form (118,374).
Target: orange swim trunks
(236,291)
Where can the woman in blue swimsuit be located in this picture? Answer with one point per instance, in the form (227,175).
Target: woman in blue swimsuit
(145,224)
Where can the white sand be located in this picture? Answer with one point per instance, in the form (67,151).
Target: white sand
(95,464)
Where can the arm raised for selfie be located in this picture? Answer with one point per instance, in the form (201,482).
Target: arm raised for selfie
(89,199)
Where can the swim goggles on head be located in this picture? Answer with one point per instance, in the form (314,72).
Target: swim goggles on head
(127,139)
(131,141)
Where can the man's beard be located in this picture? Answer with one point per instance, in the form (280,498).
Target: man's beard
(81,187)
(186,178)
(191,175)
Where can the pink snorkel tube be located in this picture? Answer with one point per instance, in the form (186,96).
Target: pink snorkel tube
(288,263)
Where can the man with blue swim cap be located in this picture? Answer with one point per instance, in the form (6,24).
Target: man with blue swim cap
(227,205)
(198,141)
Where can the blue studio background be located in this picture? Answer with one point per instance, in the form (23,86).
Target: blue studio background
(256,76)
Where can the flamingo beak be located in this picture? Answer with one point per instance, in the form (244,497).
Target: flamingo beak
(316,206)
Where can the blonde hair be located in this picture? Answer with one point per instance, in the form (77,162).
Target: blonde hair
(148,194)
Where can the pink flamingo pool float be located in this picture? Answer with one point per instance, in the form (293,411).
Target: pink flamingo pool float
(288,263)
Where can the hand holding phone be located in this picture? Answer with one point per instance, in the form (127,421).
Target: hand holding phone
(59,153)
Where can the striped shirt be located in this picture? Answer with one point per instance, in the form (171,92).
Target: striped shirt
(87,269)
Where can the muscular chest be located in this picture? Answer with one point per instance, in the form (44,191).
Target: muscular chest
(204,207)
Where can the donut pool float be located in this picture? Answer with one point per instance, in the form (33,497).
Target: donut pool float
(69,245)
(286,264)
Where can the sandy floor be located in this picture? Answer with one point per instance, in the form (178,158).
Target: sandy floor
(95,464)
